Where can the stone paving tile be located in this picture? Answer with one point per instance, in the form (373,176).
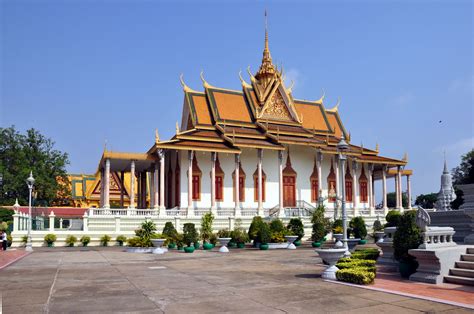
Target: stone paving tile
(250,281)
(29,308)
(380,308)
(425,306)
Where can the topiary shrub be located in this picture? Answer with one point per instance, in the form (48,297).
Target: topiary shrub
(121,239)
(206,226)
(359,230)
(254,228)
(105,239)
(190,235)
(264,234)
(406,237)
(337,226)
(366,254)
(70,240)
(296,227)
(50,239)
(85,240)
(358,276)
(278,231)
(224,233)
(368,265)
(319,224)
(393,218)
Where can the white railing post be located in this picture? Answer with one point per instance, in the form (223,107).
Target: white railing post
(51,221)
(85,222)
(60,224)
(177,223)
(231,223)
(16,221)
(117,224)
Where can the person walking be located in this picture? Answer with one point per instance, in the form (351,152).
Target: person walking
(4,240)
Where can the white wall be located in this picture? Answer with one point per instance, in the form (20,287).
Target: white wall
(302,160)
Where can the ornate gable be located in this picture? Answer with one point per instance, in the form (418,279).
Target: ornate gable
(276,109)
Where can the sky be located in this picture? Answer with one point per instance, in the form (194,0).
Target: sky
(89,72)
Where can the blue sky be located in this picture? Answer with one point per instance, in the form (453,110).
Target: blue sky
(83,72)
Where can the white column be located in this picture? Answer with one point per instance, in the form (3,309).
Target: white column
(370,194)
(397,192)
(51,221)
(409,191)
(85,222)
(101,196)
(237,186)
(384,189)
(338,180)
(107,183)
(213,183)
(319,162)
(156,185)
(161,154)
(16,222)
(152,188)
(260,183)
(355,188)
(190,183)
(132,184)
(280,183)
(400,190)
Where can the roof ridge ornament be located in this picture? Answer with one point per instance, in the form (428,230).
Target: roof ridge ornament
(405,157)
(177,128)
(336,107)
(377,148)
(157,136)
(244,83)
(204,82)
(320,100)
(186,88)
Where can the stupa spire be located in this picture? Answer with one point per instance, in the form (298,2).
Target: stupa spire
(267,69)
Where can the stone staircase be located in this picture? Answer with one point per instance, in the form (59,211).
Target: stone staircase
(463,271)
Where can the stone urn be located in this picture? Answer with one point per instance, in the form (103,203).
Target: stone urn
(330,256)
(158,245)
(224,242)
(385,245)
(351,243)
(290,239)
(337,238)
(379,236)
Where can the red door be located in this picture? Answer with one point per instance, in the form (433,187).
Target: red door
(289,191)
(219,189)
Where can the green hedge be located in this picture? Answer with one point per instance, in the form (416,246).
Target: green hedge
(371,269)
(358,276)
(366,254)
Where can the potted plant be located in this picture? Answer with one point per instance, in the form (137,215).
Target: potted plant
(296,227)
(85,240)
(277,231)
(105,239)
(239,237)
(121,239)
(206,230)
(190,236)
(359,230)
(407,236)
(254,228)
(70,240)
(179,240)
(169,231)
(378,230)
(224,236)
(50,239)
(264,235)
(319,230)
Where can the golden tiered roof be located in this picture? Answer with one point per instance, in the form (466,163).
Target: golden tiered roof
(264,115)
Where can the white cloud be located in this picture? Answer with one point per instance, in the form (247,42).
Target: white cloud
(403,99)
(463,84)
(292,75)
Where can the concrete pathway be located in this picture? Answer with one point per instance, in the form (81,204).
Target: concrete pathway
(106,280)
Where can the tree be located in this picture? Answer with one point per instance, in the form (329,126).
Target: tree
(391,200)
(22,153)
(426,200)
(464,173)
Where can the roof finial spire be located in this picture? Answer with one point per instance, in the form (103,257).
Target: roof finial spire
(445,170)
(266,31)
(266,68)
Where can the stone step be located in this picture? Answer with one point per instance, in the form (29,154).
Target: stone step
(465,265)
(462,272)
(467,257)
(459,280)
(470,250)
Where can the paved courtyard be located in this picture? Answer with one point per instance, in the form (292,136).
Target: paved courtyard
(247,281)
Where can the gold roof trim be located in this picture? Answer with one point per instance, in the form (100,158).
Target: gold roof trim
(186,88)
(336,107)
(244,83)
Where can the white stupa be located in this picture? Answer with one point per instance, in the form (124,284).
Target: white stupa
(446,194)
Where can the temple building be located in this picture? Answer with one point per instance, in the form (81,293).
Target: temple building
(255,151)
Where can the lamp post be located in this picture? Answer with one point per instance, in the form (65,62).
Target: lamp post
(30,182)
(342,147)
